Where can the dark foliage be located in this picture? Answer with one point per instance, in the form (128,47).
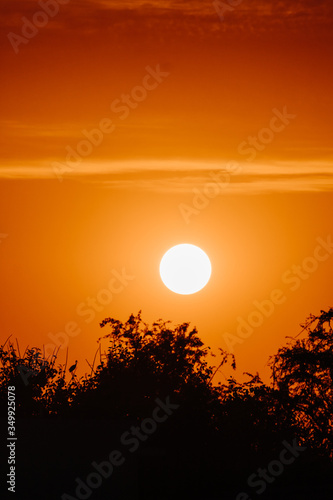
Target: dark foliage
(219,434)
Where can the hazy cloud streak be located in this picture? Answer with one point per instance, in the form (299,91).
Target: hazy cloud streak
(176,176)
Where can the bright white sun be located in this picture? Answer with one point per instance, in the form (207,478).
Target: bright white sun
(185,269)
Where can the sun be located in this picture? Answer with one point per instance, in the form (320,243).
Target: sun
(185,269)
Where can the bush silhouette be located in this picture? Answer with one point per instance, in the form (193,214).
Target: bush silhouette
(220,432)
(303,373)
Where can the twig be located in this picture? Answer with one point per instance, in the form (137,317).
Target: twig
(89,364)
(18,348)
(54,356)
(306,326)
(25,350)
(92,369)
(65,363)
(216,370)
(6,341)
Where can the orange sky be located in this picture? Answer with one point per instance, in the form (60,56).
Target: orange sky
(173,99)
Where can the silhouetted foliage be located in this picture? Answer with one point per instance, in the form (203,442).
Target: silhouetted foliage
(303,373)
(219,432)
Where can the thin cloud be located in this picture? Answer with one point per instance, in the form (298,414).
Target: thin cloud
(178,176)
(20,129)
(89,15)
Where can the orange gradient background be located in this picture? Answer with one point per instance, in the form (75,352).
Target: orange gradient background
(119,208)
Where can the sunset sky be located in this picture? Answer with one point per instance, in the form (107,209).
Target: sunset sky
(128,127)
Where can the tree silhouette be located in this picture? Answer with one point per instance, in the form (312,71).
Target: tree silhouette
(143,363)
(220,433)
(303,373)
